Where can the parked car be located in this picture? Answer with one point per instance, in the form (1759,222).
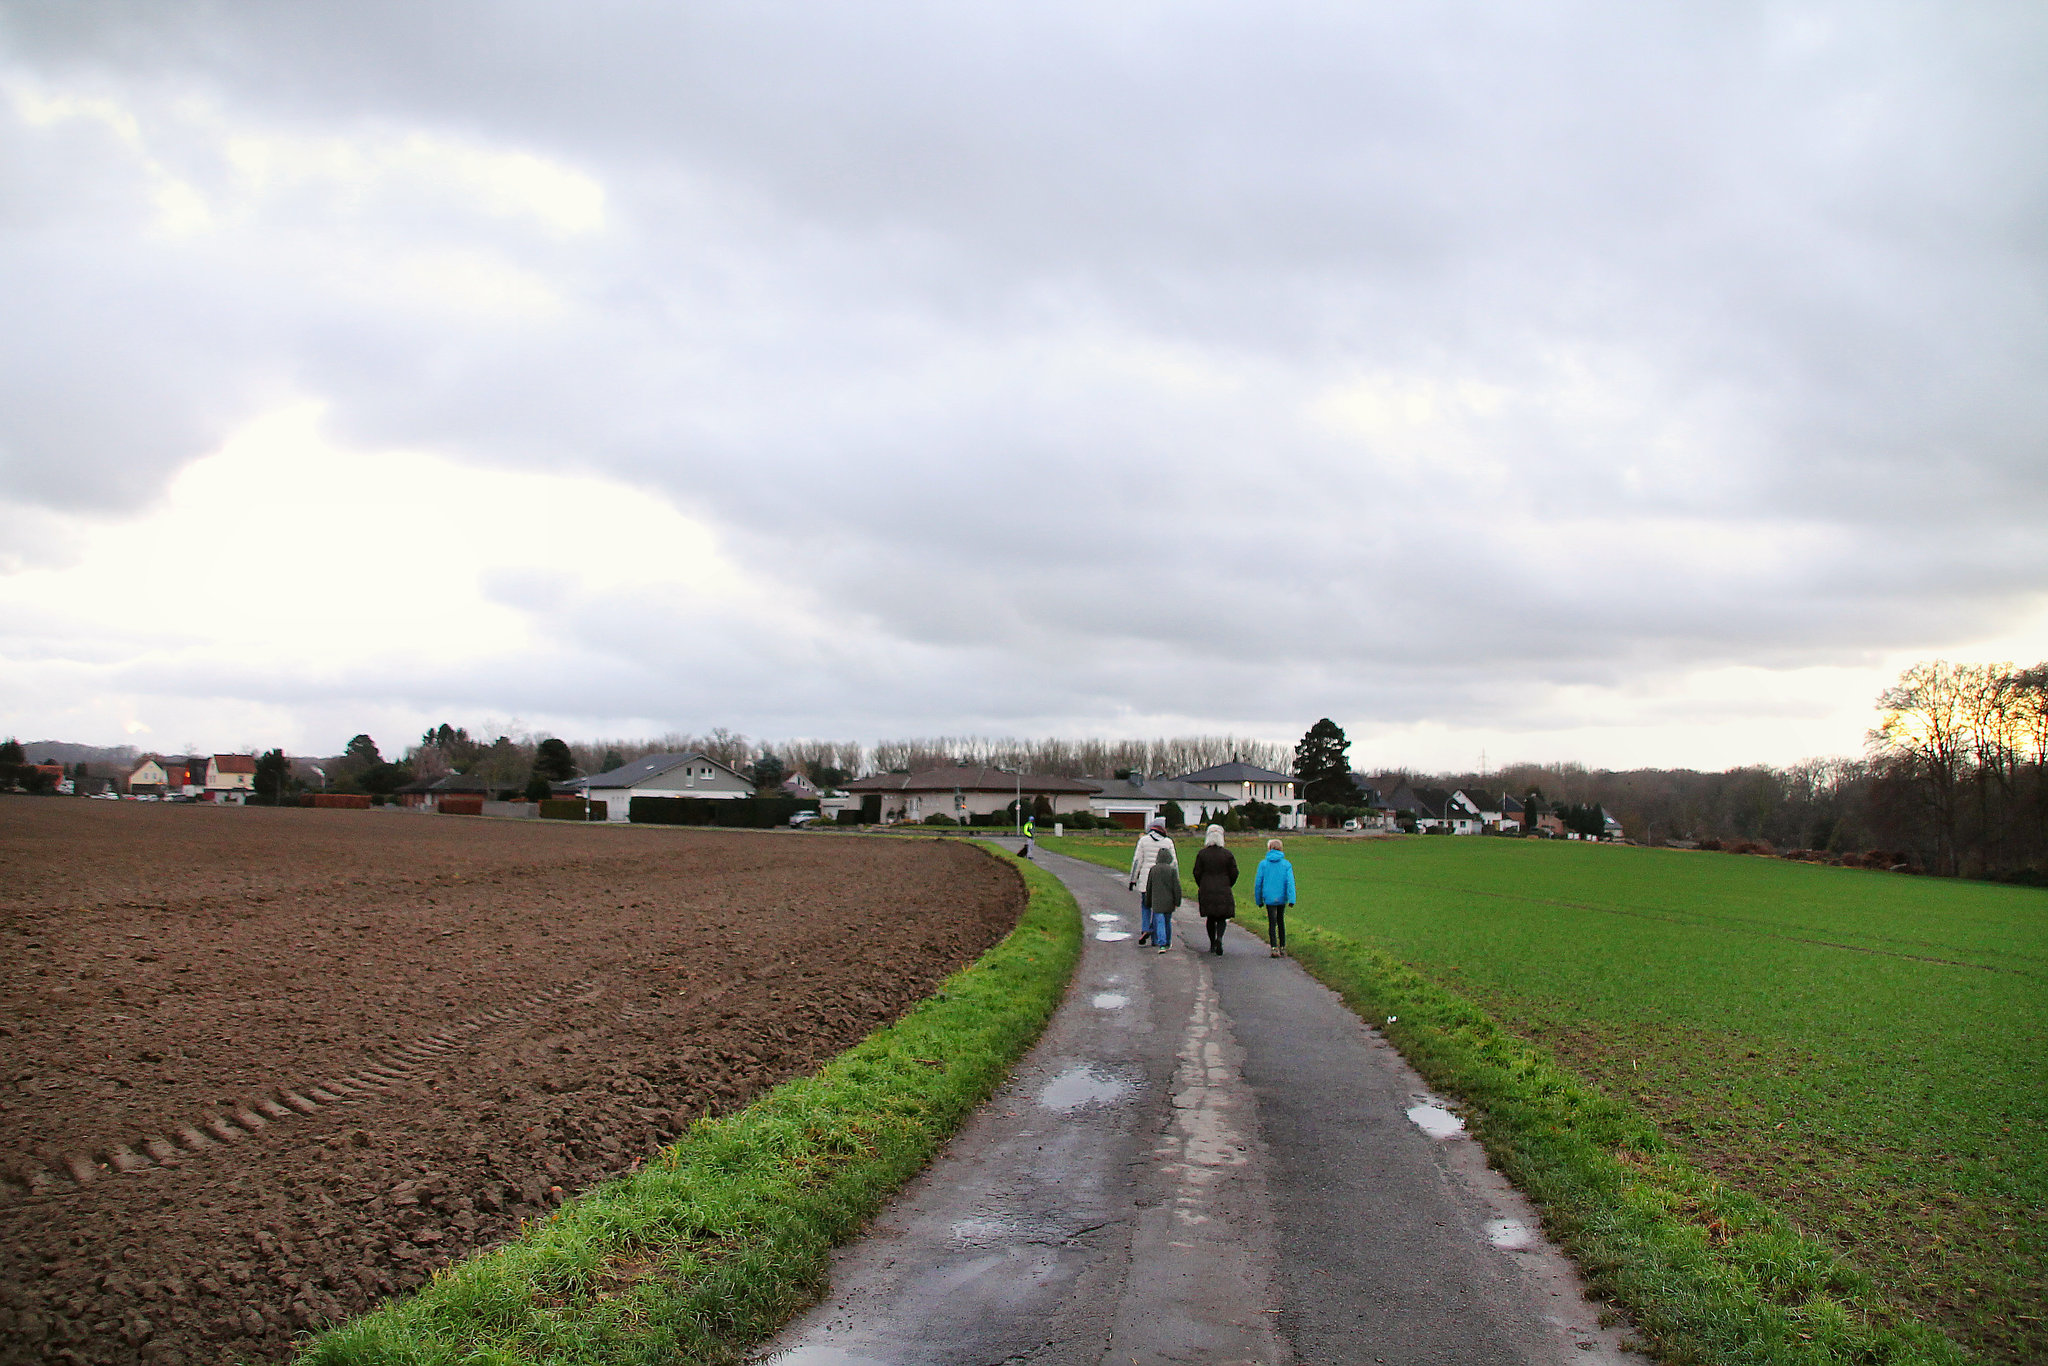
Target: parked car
(803,818)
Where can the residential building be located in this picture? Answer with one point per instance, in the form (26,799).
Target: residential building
(147,779)
(1135,801)
(426,793)
(1242,782)
(962,793)
(230,778)
(1379,815)
(1498,811)
(1436,808)
(661,775)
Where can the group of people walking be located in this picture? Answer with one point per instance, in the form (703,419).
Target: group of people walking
(1155,876)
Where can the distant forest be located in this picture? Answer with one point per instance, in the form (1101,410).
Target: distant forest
(1955,775)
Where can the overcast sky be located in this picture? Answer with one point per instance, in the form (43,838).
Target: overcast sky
(1630,383)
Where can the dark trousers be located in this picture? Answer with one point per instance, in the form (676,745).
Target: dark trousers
(1217,924)
(1276,926)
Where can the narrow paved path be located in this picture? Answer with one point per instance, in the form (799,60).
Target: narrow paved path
(1205,1159)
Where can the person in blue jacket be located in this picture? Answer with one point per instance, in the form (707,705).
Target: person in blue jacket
(1273,888)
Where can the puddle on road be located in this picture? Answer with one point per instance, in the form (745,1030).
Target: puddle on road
(1081,1086)
(818,1354)
(1102,918)
(1510,1235)
(1005,1230)
(1110,1000)
(1435,1121)
(1111,936)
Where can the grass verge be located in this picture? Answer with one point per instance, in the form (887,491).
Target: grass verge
(726,1233)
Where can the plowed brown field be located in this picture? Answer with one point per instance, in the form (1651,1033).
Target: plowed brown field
(265,1067)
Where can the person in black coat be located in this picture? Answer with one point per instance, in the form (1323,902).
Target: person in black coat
(1215,875)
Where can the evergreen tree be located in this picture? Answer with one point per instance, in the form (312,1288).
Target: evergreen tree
(552,762)
(766,773)
(273,776)
(1258,815)
(1322,764)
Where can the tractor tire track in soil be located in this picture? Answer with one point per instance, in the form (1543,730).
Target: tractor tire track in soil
(265,1068)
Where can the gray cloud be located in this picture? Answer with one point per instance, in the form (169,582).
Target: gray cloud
(1412,348)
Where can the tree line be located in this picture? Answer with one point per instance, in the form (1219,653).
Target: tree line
(1953,779)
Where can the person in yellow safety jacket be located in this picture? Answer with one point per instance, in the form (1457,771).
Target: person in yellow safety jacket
(1030,831)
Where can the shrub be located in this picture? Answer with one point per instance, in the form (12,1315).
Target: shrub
(462,806)
(940,818)
(748,813)
(1176,819)
(1259,815)
(573,809)
(346,801)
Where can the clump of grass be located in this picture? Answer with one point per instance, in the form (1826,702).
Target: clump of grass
(717,1241)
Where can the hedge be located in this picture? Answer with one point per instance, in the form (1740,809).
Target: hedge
(573,809)
(754,813)
(349,801)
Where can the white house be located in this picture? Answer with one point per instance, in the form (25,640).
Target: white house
(662,775)
(1242,782)
(962,793)
(1496,810)
(1134,801)
(1433,808)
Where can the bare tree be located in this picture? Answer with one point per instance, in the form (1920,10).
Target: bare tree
(1924,737)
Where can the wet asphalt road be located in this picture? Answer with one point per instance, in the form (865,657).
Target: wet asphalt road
(1204,1160)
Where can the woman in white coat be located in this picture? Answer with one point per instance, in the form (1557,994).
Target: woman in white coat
(1142,858)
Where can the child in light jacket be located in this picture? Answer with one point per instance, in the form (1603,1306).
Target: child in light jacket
(1273,888)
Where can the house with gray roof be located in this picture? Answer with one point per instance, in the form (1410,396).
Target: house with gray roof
(661,775)
(1135,801)
(962,792)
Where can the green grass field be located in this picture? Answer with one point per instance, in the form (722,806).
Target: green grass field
(1863,1051)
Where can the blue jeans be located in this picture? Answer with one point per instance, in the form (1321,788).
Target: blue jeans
(1158,924)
